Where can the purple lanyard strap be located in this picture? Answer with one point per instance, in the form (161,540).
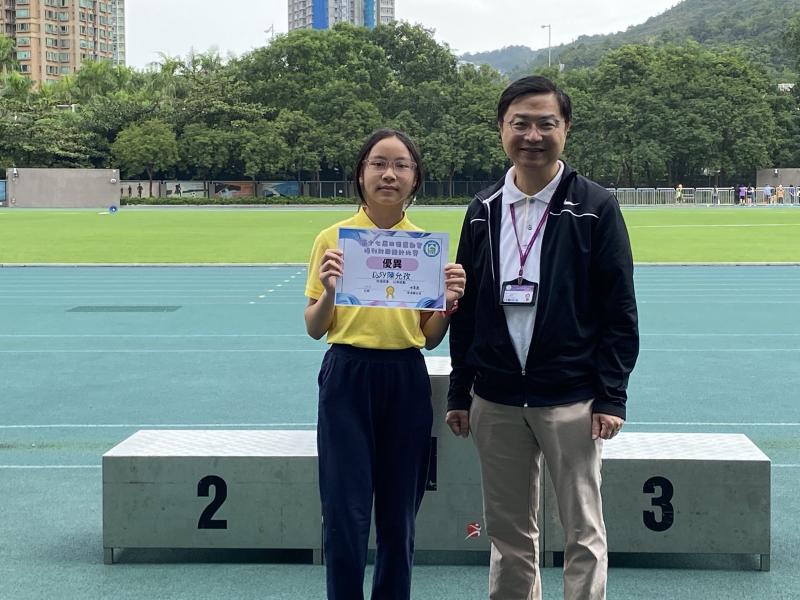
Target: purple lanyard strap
(523,255)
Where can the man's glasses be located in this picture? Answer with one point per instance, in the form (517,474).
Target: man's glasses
(400,166)
(524,126)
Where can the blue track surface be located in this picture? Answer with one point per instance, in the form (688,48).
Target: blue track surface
(720,353)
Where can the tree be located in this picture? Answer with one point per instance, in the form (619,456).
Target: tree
(51,141)
(444,150)
(301,135)
(662,115)
(262,149)
(149,147)
(8,60)
(204,149)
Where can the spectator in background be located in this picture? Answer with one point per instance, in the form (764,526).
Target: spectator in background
(751,195)
(714,196)
(792,192)
(139,189)
(742,195)
(130,191)
(780,193)
(679,193)
(768,194)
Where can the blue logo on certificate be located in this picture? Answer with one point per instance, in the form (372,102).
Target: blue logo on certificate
(392,268)
(431,248)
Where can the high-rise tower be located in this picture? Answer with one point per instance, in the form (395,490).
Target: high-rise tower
(324,14)
(53,37)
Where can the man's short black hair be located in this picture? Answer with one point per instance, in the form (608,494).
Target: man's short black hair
(533,84)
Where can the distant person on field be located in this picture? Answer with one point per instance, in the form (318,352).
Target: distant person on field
(768,194)
(679,193)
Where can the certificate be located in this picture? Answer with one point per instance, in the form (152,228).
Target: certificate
(392,268)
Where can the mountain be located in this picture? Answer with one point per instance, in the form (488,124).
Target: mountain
(505,60)
(754,25)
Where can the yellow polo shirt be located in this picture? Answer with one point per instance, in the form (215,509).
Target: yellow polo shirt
(364,327)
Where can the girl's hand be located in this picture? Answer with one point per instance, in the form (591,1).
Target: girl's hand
(331,269)
(455,278)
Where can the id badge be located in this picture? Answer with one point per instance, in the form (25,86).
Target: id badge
(519,294)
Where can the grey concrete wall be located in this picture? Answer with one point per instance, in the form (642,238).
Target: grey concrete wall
(62,188)
(786,177)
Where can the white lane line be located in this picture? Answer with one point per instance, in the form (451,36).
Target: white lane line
(154,335)
(319,350)
(313,424)
(745,295)
(714,424)
(42,467)
(155,425)
(125,290)
(720,349)
(769,335)
(84,467)
(693,226)
(157,351)
(754,300)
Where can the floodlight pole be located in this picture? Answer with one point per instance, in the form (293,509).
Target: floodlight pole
(549,44)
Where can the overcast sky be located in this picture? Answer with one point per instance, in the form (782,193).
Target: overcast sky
(237,26)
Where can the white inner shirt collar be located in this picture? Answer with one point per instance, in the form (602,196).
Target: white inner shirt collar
(512,194)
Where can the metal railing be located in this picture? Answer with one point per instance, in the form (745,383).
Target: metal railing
(701,196)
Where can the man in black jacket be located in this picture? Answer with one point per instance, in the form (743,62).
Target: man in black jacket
(542,345)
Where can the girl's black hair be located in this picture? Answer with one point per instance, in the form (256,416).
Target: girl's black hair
(375,137)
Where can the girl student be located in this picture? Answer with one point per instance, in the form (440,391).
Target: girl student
(375,414)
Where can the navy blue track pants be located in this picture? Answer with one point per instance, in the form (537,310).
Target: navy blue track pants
(373,438)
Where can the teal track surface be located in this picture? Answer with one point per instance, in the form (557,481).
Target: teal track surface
(720,353)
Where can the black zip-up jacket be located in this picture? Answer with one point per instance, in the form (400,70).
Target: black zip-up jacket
(585,338)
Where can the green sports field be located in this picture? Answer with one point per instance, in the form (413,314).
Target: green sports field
(669,235)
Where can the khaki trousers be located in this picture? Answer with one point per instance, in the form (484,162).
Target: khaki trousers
(510,442)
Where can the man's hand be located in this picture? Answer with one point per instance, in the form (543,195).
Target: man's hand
(458,420)
(605,426)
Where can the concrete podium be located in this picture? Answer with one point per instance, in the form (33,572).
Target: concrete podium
(662,492)
(212,489)
(451,515)
(693,493)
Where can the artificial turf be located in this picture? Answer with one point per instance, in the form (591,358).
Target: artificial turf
(669,234)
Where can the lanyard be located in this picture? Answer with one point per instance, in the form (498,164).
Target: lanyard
(523,255)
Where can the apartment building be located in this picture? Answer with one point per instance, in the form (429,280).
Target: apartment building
(53,37)
(324,14)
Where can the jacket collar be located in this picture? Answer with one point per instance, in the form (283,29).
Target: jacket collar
(495,191)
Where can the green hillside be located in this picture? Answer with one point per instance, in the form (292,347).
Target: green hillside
(505,60)
(758,26)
